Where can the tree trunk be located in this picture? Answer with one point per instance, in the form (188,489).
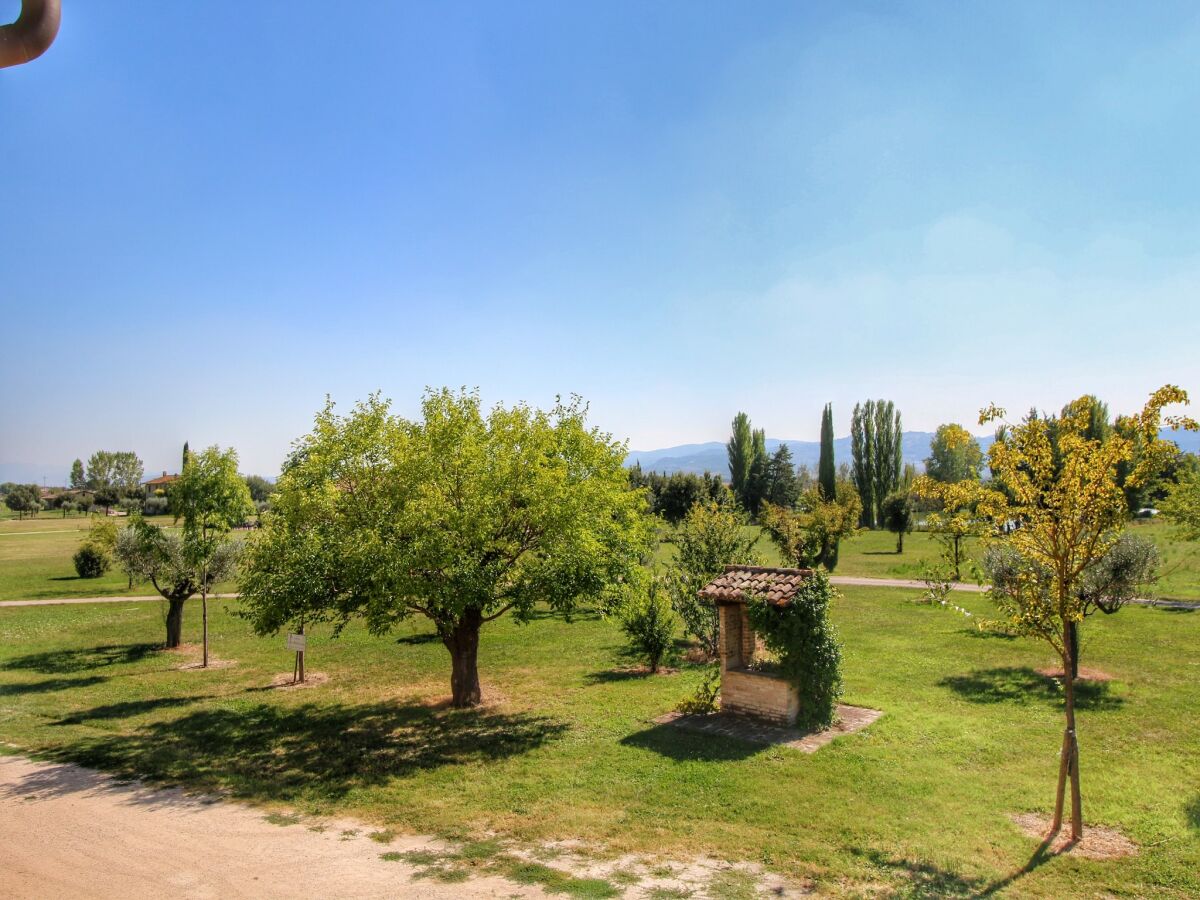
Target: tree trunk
(463,643)
(174,622)
(1073,646)
(1069,765)
(899,541)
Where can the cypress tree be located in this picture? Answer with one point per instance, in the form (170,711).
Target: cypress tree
(826,470)
(186,454)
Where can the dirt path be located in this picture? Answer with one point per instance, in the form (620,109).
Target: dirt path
(71,832)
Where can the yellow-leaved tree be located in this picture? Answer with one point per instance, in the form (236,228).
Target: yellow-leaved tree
(1062,492)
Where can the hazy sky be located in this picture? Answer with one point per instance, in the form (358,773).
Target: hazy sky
(211,217)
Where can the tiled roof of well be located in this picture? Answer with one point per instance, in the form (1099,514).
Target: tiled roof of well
(733,585)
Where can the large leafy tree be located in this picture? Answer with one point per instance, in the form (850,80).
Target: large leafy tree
(78,478)
(954,455)
(113,474)
(460,516)
(1062,488)
(862,455)
(783,487)
(211,498)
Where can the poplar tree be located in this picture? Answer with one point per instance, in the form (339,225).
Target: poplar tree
(886,456)
(740,450)
(862,447)
(826,470)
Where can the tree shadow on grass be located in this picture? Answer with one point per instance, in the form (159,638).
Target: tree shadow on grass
(1176,610)
(988,634)
(128,709)
(1192,811)
(691,746)
(1024,685)
(61,662)
(270,752)
(921,878)
(49,685)
(419,639)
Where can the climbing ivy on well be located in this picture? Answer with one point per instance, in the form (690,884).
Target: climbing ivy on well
(810,656)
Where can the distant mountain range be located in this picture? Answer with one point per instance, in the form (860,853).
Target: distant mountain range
(698,458)
(711,456)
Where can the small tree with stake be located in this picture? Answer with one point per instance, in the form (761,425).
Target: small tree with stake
(211,498)
(1062,490)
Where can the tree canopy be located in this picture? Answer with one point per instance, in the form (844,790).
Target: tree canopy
(459,516)
(954,455)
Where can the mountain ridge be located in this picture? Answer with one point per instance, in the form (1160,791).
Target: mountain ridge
(710,456)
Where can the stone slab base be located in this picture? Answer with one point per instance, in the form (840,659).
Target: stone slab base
(743,728)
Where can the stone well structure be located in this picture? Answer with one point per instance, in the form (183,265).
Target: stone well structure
(744,690)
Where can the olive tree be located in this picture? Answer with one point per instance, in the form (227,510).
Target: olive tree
(148,553)
(460,516)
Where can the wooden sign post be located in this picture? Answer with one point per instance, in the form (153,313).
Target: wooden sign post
(296,642)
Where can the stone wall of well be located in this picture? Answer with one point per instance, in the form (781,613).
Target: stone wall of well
(750,693)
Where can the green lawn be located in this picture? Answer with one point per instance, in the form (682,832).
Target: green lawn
(35,561)
(918,805)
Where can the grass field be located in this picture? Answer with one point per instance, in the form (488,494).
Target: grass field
(872,554)
(35,561)
(918,805)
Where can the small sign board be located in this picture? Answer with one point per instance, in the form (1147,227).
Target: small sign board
(295,642)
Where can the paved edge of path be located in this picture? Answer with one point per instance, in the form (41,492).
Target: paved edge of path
(845,580)
(858,581)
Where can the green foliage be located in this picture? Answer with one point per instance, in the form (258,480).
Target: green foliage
(897,513)
(1182,506)
(709,539)
(783,487)
(113,472)
(78,479)
(671,496)
(954,455)
(459,517)
(875,443)
(150,553)
(23,499)
(260,489)
(806,645)
(90,561)
(810,535)
(826,468)
(740,451)
(647,621)
(211,498)
(704,700)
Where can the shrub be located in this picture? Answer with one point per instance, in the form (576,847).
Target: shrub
(806,644)
(709,538)
(704,701)
(646,619)
(155,506)
(91,561)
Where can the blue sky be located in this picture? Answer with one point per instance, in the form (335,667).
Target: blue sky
(677,210)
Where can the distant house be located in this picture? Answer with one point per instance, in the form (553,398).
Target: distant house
(161,483)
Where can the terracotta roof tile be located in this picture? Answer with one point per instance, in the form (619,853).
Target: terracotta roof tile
(777,586)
